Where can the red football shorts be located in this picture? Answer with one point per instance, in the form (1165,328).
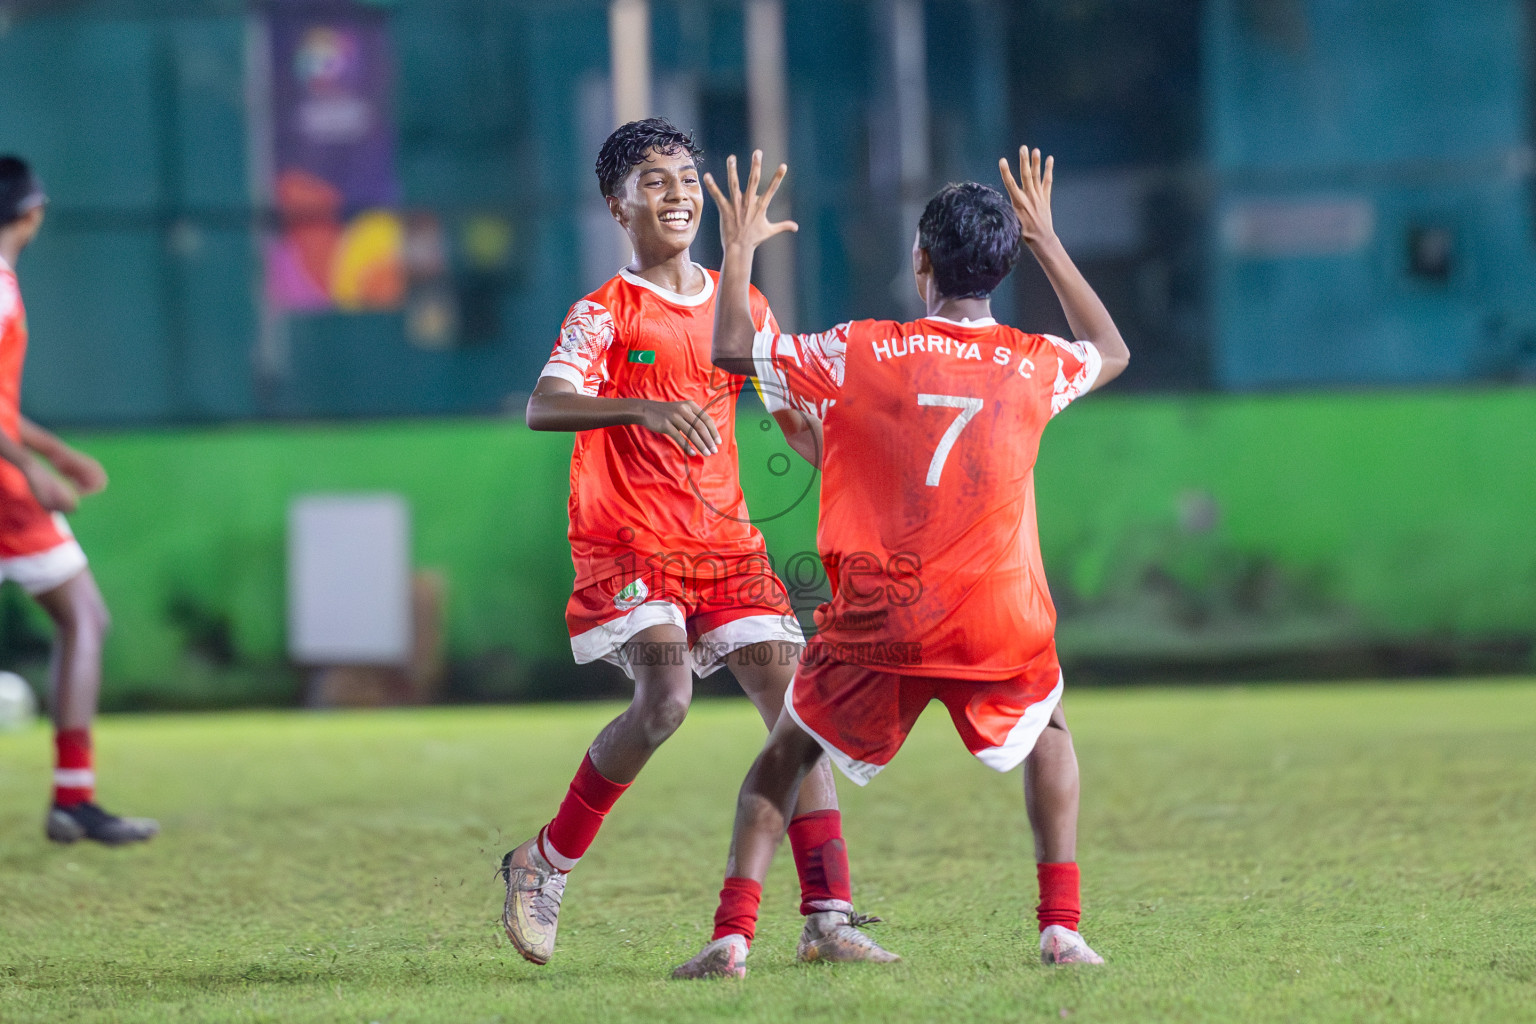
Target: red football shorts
(37,549)
(718,614)
(862,715)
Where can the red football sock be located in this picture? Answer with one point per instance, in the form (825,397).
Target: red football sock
(737,913)
(74,781)
(821,860)
(581,814)
(1060,898)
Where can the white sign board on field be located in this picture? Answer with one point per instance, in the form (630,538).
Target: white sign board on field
(349,579)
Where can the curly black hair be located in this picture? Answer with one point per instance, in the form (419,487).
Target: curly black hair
(973,239)
(20,191)
(629,144)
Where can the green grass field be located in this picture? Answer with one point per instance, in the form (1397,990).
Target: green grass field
(1265,854)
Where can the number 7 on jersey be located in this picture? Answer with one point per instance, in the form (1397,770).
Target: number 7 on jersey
(968,407)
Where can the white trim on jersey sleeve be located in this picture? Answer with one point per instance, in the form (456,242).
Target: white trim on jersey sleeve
(585,338)
(771,385)
(566,372)
(772,400)
(1066,391)
(827,350)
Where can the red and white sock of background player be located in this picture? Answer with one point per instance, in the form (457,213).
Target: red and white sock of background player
(1061,899)
(587,802)
(74,780)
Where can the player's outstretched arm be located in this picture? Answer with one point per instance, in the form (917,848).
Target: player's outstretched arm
(1090,321)
(556,405)
(744,225)
(75,466)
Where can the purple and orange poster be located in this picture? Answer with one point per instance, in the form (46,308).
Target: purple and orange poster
(339,242)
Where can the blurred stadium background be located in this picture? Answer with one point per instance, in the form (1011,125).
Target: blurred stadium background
(1312,218)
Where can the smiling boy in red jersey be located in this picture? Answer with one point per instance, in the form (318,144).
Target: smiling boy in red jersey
(37,549)
(672,579)
(927,524)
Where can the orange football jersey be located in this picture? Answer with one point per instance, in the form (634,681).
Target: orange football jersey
(636,499)
(25,528)
(13,351)
(927,525)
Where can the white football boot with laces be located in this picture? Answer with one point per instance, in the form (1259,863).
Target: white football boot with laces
(833,937)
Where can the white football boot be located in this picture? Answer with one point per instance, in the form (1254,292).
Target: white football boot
(532,911)
(1062,945)
(833,936)
(723,958)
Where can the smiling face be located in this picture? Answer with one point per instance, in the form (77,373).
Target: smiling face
(659,205)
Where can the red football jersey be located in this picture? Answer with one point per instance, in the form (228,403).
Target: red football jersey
(636,499)
(13,351)
(25,528)
(927,525)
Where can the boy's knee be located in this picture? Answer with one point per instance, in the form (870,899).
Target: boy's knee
(661,716)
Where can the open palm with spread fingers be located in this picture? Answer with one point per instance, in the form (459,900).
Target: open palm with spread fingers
(744,216)
(1031,195)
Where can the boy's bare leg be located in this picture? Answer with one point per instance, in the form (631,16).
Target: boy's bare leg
(762,815)
(80,624)
(766,800)
(535,872)
(815,826)
(1051,791)
(658,659)
(764,672)
(1052,787)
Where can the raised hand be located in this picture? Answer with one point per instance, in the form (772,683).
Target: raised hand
(1031,197)
(1089,320)
(744,216)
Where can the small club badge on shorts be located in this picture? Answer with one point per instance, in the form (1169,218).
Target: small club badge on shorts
(632,595)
